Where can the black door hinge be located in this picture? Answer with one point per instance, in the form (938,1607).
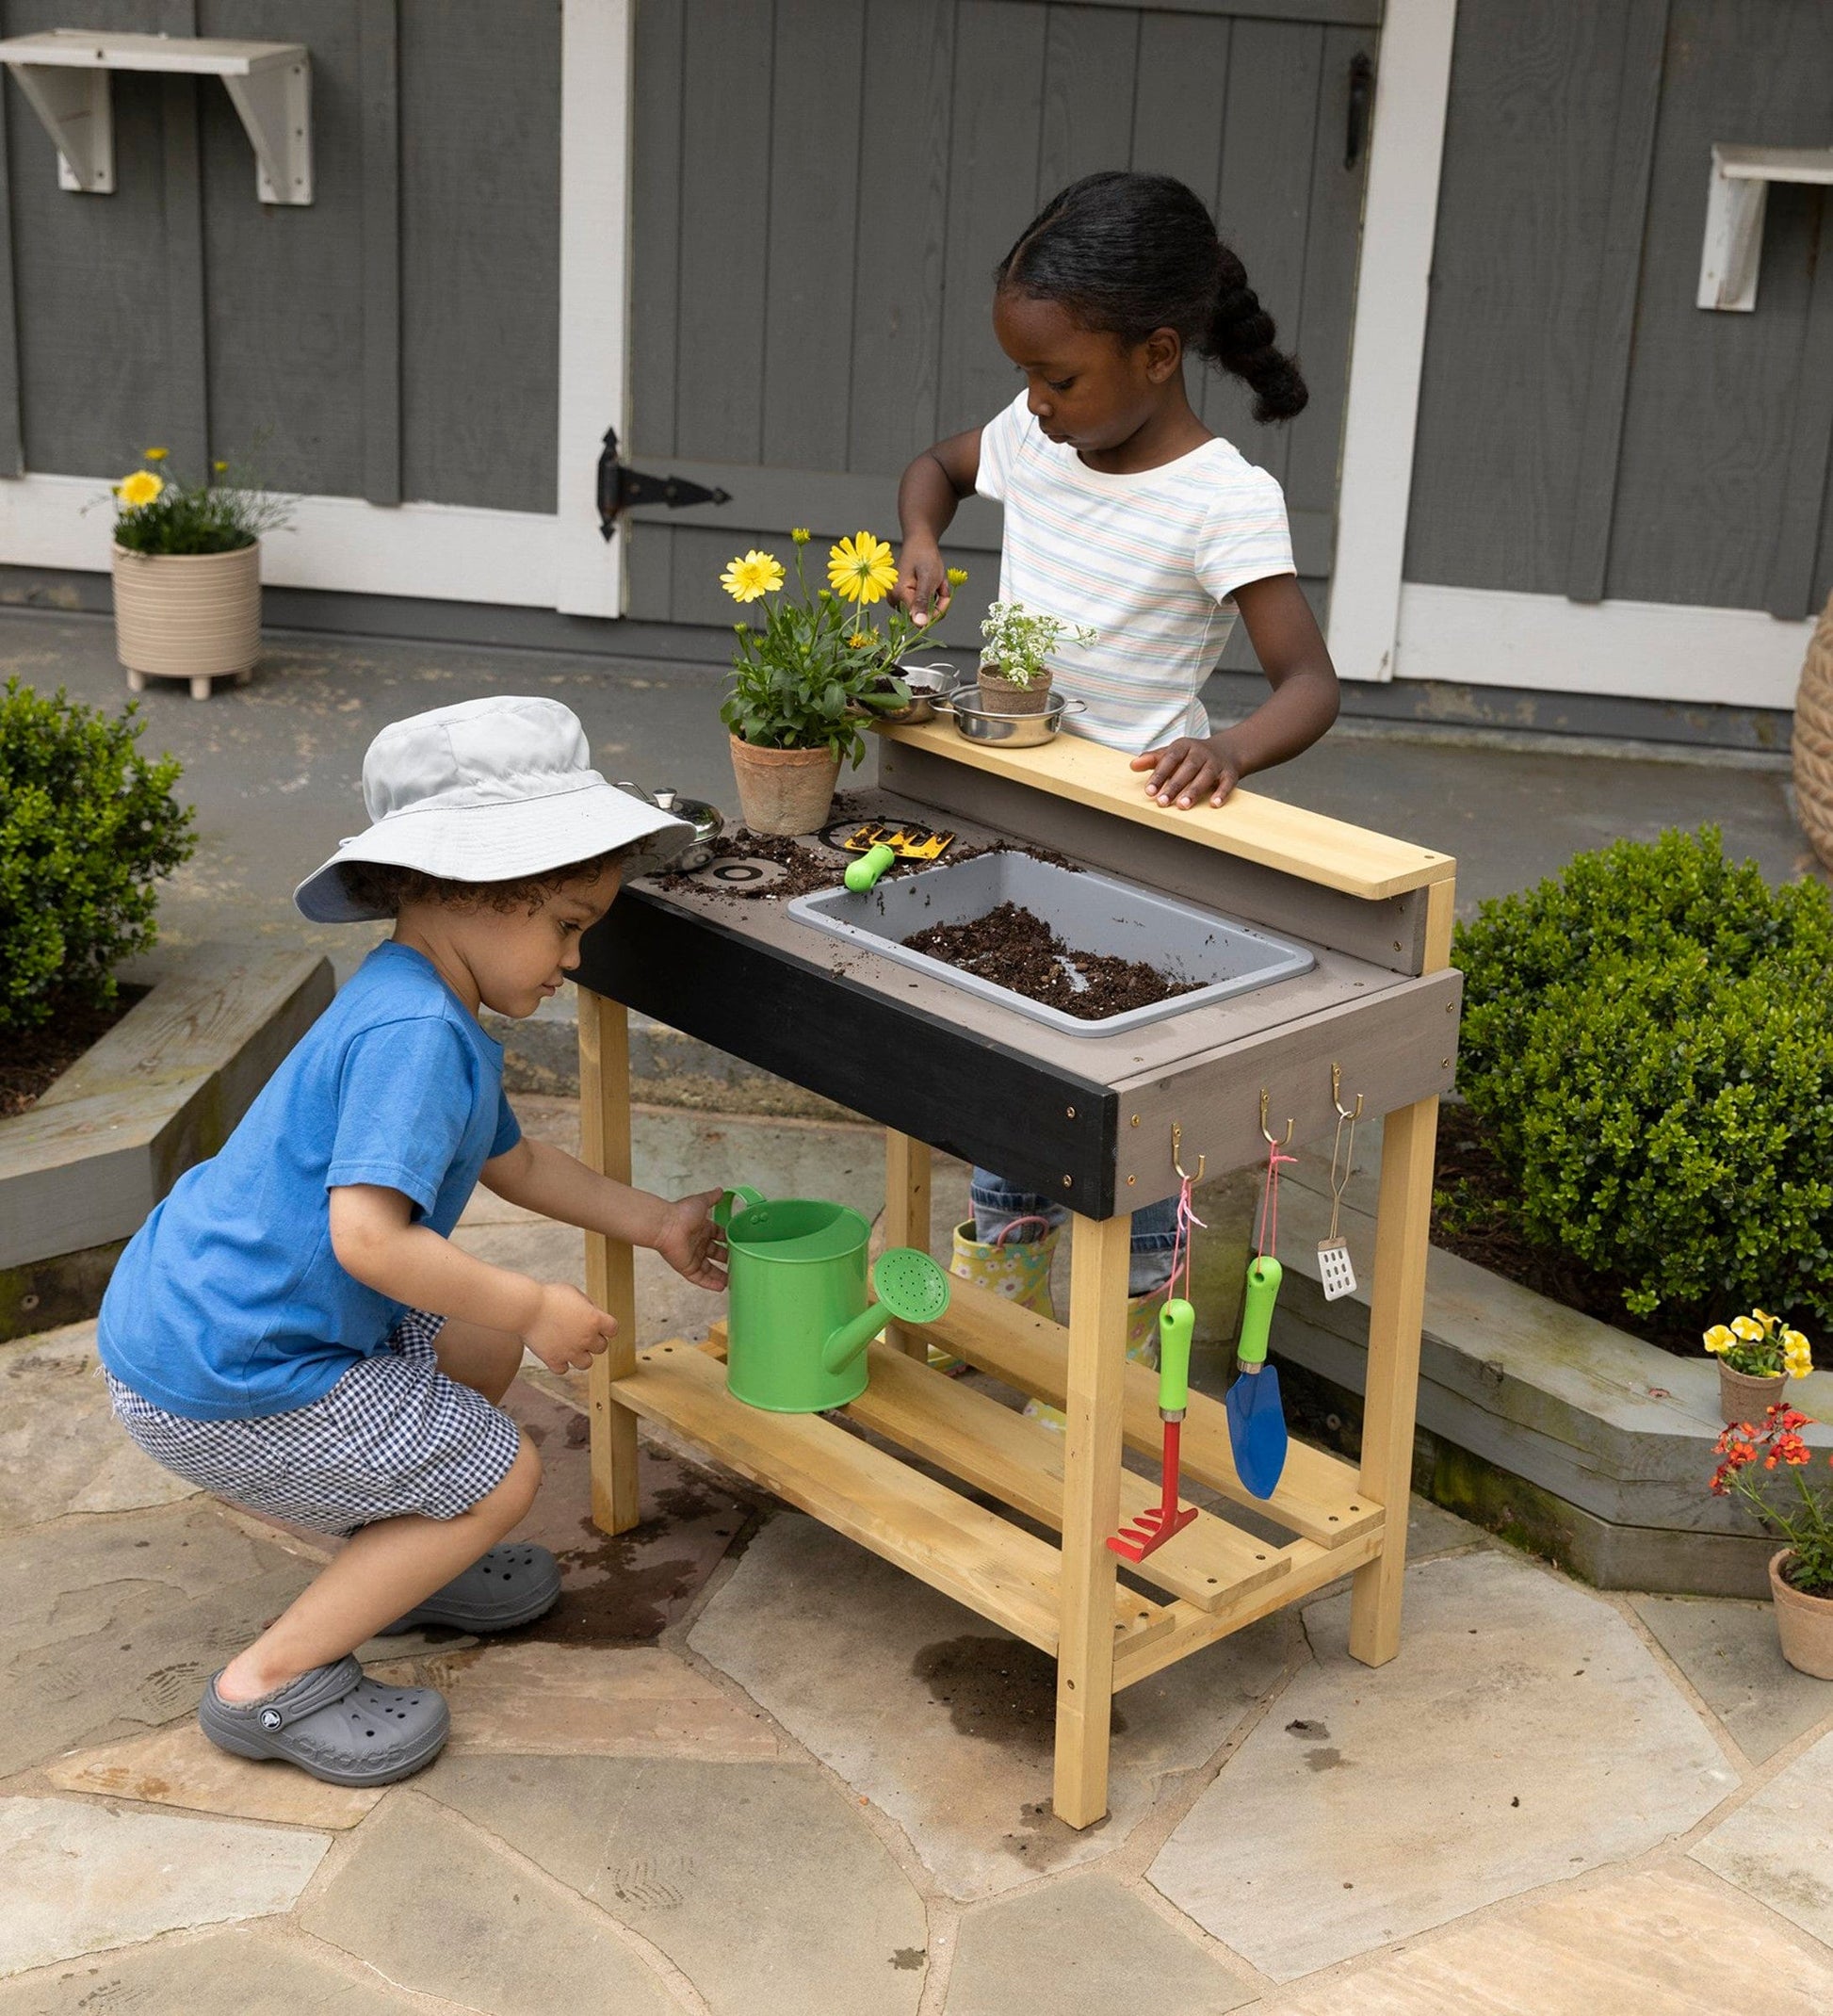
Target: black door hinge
(620,487)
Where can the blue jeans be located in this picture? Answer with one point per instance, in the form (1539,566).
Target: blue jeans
(997,1203)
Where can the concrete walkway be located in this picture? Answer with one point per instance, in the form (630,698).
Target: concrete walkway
(746,1769)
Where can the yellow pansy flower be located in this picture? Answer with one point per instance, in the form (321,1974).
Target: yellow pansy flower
(1719,1339)
(862,568)
(752,575)
(801,534)
(1747,1332)
(956,576)
(140,488)
(157,454)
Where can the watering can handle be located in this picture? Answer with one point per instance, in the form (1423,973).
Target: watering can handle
(1264,1273)
(722,1210)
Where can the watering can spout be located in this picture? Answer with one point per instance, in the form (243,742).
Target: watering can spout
(910,1288)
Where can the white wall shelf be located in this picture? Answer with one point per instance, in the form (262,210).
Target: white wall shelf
(64,76)
(1736,198)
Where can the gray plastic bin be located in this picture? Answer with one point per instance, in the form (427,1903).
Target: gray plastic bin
(1089,912)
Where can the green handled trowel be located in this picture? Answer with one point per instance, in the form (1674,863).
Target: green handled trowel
(1257,1417)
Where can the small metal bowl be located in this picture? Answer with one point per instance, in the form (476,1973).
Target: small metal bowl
(928,686)
(707,820)
(977,723)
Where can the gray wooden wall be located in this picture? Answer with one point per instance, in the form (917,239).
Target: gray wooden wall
(397,339)
(822,190)
(1584,429)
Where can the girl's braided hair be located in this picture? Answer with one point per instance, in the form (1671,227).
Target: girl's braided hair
(1127,253)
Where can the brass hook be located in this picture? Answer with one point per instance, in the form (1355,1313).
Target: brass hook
(1337,1095)
(1269,1139)
(1176,1157)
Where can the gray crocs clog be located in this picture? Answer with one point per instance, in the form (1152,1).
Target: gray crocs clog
(334,1724)
(502,1588)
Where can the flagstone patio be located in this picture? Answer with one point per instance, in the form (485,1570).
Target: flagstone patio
(745,1768)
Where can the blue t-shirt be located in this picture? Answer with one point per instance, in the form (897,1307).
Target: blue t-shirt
(229,1302)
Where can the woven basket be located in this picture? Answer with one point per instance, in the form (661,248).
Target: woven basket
(1813,739)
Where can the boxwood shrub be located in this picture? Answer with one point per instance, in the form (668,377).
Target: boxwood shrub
(1648,1038)
(88,825)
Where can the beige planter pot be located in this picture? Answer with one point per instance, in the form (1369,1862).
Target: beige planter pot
(1000,697)
(193,616)
(1745,1396)
(784,791)
(1803,1623)
(1813,740)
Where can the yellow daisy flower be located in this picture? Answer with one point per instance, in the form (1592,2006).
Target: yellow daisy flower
(220,467)
(752,575)
(860,639)
(801,534)
(862,568)
(956,576)
(1745,1330)
(140,488)
(157,454)
(1719,1339)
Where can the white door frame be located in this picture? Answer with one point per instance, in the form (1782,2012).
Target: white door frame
(449,552)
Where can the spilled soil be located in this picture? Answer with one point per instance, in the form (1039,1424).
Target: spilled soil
(999,1689)
(1015,947)
(32,1059)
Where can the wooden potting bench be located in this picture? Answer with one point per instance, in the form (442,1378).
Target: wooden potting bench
(1088,1120)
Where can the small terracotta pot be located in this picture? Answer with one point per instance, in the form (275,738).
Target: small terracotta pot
(1002,696)
(193,616)
(784,791)
(1803,1623)
(1747,1396)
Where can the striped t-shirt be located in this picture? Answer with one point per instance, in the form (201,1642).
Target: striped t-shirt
(1148,559)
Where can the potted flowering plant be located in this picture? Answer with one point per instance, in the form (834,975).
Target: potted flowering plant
(188,575)
(1751,1462)
(1758,1354)
(802,681)
(1015,678)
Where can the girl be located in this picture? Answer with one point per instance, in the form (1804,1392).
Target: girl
(1125,512)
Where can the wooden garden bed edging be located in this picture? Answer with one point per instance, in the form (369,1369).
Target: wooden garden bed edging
(1572,1438)
(80,1170)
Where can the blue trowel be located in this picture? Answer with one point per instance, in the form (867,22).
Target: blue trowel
(1257,1417)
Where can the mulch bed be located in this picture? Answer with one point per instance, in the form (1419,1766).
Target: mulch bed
(1476,1215)
(1015,947)
(32,1059)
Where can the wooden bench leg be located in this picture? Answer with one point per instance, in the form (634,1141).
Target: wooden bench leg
(611,1269)
(1397,1303)
(906,1219)
(1098,1260)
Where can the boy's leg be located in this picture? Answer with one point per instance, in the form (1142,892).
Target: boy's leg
(382,1571)
(485,1360)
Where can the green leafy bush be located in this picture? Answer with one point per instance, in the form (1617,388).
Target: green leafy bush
(88,825)
(1648,1038)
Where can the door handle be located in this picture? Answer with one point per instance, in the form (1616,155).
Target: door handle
(1361,98)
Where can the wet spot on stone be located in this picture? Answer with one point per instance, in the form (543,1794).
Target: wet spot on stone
(907,1959)
(1325,1760)
(998,1689)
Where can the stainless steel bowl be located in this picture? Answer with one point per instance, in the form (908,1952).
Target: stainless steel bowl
(977,723)
(707,820)
(930,685)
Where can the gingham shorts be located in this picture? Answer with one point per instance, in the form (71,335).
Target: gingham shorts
(393,1436)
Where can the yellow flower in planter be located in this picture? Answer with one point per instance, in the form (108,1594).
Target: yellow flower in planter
(1718,1338)
(860,640)
(801,534)
(752,575)
(157,454)
(1747,1330)
(956,576)
(140,488)
(862,568)
(1797,1355)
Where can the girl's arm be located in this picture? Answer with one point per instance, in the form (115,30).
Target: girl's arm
(542,1177)
(932,485)
(1302,706)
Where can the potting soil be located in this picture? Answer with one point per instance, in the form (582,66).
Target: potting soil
(1015,947)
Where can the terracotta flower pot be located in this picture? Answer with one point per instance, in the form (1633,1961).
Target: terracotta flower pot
(193,616)
(1004,697)
(784,791)
(1747,1396)
(1803,1623)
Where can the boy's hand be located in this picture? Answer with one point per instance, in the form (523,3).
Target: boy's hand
(923,581)
(690,1242)
(568,1331)
(1184,771)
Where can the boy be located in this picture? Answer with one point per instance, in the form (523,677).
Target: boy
(291,1328)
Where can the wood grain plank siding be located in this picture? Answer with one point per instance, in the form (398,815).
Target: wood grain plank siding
(184,423)
(816,115)
(12,435)
(1179,91)
(1619,272)
(1792,570)
(903,207)
(1089,65)
(379,44)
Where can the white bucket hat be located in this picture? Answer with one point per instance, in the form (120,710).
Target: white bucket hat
(488,790)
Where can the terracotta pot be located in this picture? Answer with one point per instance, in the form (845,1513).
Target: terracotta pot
(1745,1396)
(193,616)
(1001,696)
(784,791)
(1803,1623)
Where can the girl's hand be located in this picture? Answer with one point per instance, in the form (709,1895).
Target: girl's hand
(568,1331)
(923,581)
(1183,771)
(690,1242)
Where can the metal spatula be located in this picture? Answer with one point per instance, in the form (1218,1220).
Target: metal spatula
(1257,1416)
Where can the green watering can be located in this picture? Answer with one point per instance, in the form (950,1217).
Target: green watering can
(800,1314)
